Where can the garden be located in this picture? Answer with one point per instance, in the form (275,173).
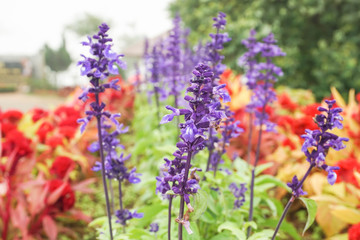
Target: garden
(188,147)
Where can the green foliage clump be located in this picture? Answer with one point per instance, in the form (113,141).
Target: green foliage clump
(321,38)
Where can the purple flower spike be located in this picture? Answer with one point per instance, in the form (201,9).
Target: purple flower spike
(239,193)
(260,77)
(176,174)
(124,215)
(296,190)
(318,142)
(154,227)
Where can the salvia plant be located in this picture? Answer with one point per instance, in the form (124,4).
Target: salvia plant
(316,146)
(103,63)
(261,77)
(214,59)
(200,115)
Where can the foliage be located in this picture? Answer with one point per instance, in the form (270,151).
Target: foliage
(319,37)
(57,60)
(46,185)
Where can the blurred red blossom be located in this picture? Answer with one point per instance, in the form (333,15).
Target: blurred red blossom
(61,196)
(354,232)
(61,166)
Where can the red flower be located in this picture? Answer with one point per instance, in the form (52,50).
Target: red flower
(12,116)
(286,103)
(16,140)
(7,127)
(67,198)
(346,171)
(67,131)
(299,125)
(67,116)
(288,142)
(38,114)
(43,131)
(311,109)
(354,232)
(54,141)
(9,121)
(61,165)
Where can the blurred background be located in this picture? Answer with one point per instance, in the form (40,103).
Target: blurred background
(40,40)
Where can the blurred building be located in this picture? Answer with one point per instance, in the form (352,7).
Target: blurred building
(16,71)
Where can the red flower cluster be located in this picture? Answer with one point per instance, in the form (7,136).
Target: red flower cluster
(66,199)
(38,114)
(354,232)
(16,141)
(346,171)
(9,121)
(61,166)
(286,102)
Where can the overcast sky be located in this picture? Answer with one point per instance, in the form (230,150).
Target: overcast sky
(26,25)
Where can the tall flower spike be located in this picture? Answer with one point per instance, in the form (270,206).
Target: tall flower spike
(260,79)
(198,118)
(214,59)
(102,64)
(319,142)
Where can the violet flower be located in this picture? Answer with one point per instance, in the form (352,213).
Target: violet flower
(115,166)
(260,79)
(174,64)
(154,227)
(214,59)
(155,63)
(103,63)
(124,215)
(316,146)
(229,129)
(98,68)
(198,118)
(239,193)
(320,141)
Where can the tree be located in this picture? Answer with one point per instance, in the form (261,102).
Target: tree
(320,37)
(57,60)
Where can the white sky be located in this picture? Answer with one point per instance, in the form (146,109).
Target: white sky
(26,25)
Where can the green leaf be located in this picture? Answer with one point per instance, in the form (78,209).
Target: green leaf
(98,222)
(200,205)
(208,217)
(233,228)
(224,235)
(251,224)
(267,179)
(311,209)
(263,235)
(259,169)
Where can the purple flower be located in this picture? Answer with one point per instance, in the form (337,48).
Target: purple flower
(124,215)
(229,129)
(296,189)
(261,76)
(198,118)
(103,63)
(318,142)
(154,227)
(114,162)
(213,56)
(239,193)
